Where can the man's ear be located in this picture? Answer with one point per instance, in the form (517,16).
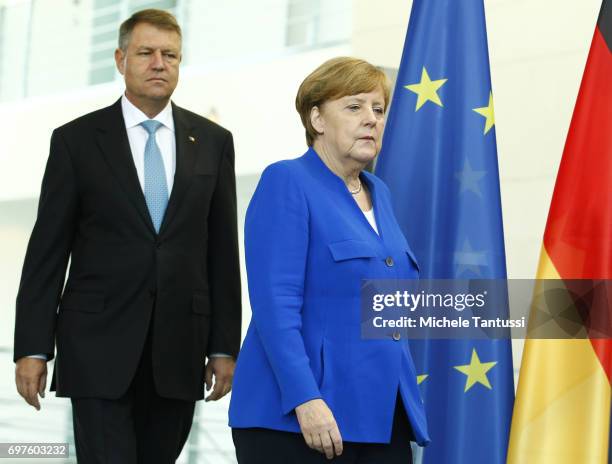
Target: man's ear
(120,60)
(316,120)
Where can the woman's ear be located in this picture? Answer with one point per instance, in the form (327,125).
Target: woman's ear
(316,120)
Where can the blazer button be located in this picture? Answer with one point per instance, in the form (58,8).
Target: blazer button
(389,261)
(158,244)
(396,336)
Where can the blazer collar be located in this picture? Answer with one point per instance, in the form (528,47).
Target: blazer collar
(334,182)
(113,141)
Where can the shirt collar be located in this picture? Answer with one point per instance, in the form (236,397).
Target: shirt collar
(134,116)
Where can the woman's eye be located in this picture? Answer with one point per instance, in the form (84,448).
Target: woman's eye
(379,111)
(353,107)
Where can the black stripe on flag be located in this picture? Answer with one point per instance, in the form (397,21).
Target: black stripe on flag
(604,23)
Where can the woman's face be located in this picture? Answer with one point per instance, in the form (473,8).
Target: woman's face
(351,127)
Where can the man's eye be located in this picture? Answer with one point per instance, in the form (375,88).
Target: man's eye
(144,53)
(171,56)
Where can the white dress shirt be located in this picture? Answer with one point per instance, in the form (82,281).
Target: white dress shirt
(137,136)
(371,219)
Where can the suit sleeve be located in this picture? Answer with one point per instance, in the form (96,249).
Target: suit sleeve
(223,262)
(44,268)
(276,245)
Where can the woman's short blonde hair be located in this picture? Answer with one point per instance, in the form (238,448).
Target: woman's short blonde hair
(337,78)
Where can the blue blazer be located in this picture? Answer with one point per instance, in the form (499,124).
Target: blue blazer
(308,245)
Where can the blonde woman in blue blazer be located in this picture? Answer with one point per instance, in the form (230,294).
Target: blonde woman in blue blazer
(306,384)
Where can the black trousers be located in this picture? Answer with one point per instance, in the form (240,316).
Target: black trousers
(265,446)
(139,428)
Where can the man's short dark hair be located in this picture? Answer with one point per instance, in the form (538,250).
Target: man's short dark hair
(158,18)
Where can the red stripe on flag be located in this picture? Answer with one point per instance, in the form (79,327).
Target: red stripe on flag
(578,234)
(603,350)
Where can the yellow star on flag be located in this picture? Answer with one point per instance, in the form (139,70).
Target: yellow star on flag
(488,113)
(426,90)
(421,378)
(476,371)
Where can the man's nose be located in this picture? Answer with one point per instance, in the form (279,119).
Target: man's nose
(157,60)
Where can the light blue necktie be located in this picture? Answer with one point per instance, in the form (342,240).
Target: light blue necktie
(156,188)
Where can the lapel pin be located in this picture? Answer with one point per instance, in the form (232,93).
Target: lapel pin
(192,139)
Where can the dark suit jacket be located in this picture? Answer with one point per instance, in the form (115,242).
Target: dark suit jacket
(92,211)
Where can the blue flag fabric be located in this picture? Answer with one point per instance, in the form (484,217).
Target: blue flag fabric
(439,159)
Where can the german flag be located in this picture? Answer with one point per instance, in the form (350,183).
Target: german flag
(562,409)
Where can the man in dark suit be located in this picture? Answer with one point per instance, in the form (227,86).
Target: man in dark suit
(140,196)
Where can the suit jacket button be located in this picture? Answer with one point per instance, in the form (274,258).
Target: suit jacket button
(396,336)
(389,261)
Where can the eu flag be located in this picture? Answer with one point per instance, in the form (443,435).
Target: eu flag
(439,159)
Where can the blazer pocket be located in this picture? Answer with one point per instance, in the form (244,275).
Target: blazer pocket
(82,302)
(201,304)
(351,249)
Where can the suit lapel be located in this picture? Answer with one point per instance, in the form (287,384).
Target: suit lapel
(186,150)
(112,139)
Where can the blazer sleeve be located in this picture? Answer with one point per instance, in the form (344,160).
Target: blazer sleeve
(44,268)
(276,247)
(223,262)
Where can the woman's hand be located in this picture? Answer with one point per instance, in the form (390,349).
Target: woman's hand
(319,427)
